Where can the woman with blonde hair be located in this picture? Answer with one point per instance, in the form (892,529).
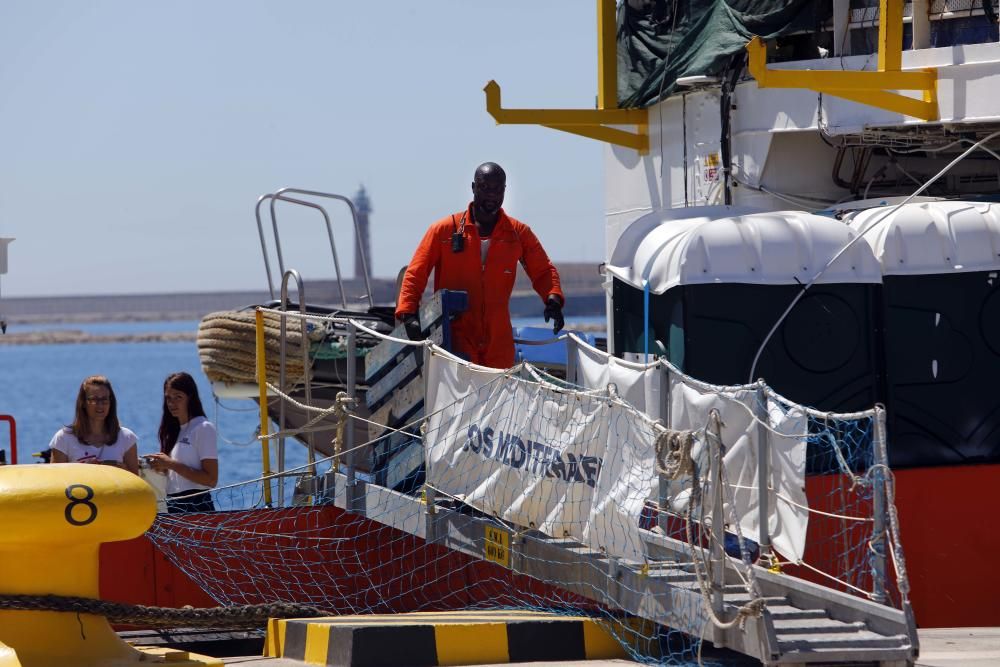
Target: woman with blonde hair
(95,436)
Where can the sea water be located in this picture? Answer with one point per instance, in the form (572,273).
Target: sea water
(39,383)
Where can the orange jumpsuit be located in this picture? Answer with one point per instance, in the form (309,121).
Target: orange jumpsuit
(483,333)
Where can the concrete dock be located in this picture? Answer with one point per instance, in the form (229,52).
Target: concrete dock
(939,647)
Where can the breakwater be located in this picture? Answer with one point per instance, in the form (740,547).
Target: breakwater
(73,336)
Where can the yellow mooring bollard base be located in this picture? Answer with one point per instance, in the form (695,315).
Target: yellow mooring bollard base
(55,518)
(8,658)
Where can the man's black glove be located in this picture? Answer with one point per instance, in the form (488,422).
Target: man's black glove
(553,311)
(411,323)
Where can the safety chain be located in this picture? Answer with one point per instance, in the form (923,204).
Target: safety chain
(242,616)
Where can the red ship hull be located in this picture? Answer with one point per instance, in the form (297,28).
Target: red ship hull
(949,550)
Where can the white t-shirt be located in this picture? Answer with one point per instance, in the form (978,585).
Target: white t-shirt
(196,441)
(80,452)
(484,248)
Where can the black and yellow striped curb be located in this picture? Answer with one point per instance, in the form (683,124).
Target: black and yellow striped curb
(440,638)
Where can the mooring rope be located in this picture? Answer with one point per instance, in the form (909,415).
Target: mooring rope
(237,616)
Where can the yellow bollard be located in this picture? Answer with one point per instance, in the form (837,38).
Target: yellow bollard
(54,519)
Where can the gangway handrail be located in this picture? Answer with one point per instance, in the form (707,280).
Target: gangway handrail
(277,240)
(357,229)
(263,243)
(13,436)
(310,442)
(278,196)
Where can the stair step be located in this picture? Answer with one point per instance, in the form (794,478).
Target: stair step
(673,576)
(824,626)
(729,590)
(841,640)
(740,600)
(847,655)
(788,612)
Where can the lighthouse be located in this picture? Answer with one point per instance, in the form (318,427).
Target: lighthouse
(363,245)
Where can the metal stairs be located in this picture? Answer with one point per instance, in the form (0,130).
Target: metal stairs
(802,622)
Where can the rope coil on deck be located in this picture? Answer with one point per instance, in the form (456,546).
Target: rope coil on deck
(241,616)
(227,346)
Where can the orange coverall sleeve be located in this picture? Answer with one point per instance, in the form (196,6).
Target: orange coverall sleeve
(426,258)
(542,273)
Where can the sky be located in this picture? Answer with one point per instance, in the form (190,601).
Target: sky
(136,137)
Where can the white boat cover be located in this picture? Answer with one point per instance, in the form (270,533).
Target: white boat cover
(720,244)
(932,237)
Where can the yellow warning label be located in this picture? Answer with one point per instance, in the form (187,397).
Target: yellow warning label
(712,160)
(497,546)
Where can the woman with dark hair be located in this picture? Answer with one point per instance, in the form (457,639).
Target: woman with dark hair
(188,450)
(95,436)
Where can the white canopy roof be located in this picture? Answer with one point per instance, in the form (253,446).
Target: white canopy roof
(933,237)
(724,244)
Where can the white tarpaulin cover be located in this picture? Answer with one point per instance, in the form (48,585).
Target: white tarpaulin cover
(644,386)
(787,521)
(639,385)
(566,464)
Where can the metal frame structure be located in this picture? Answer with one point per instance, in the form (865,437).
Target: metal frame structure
(590,123)
(870,88)
(281,195)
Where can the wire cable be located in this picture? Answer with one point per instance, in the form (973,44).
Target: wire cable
(875,223)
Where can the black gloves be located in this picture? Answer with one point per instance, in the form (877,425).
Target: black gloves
(411,323)
(553,311)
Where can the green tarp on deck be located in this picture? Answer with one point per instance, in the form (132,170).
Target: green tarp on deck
(696,37)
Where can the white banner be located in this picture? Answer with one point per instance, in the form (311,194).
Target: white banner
(639,385)
(788,515)
(566,464)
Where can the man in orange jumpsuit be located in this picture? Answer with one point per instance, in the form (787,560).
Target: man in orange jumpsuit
(477,251)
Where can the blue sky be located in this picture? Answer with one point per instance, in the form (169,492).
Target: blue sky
(135,137)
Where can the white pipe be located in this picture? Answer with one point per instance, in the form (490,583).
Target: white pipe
(921,24)
(841,38)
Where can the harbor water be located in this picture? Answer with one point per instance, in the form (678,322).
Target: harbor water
(40,382)
(38,386)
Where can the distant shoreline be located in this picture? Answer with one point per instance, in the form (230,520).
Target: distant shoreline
(76,337)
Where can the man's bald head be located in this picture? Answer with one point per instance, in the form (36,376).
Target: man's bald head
(490,171)
(488,186)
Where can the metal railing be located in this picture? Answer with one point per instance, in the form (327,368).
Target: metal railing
(282,195)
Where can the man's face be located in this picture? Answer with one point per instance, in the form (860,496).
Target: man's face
(487,192)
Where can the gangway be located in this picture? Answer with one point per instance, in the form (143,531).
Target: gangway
(779,619)
(684,585)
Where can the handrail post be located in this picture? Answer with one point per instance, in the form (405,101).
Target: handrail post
(263,243)
(571,359)
(13,437)
(307,384)
(262,387)
(763,471)
(879,508)
(717,552)
(353,491)
(282,361)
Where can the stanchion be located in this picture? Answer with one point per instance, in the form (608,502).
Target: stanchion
(262,386)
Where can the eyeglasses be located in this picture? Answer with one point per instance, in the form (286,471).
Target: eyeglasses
(98,400)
